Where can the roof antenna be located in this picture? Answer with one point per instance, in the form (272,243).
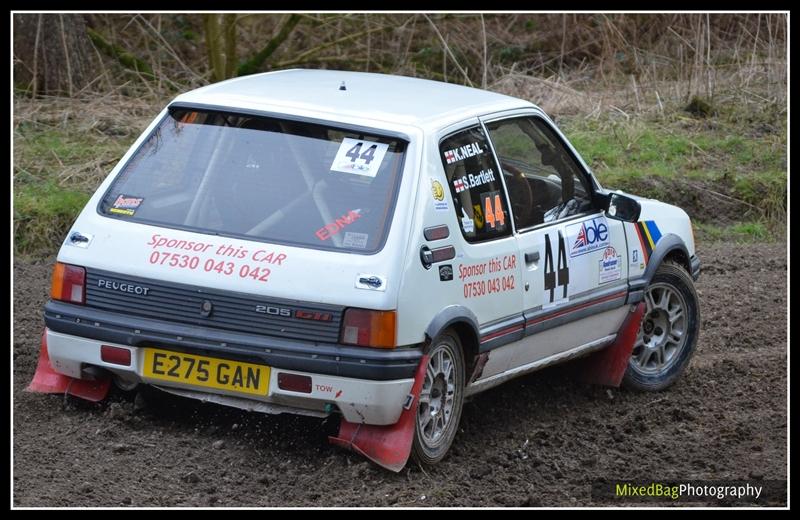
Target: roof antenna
(342,86)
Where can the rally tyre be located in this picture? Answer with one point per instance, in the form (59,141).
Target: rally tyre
(668,333)
(440,400)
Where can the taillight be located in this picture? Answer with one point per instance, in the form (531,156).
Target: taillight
(369,328)
(294,382)
(69,283)
(115,355)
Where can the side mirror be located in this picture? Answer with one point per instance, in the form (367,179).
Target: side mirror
(622,207)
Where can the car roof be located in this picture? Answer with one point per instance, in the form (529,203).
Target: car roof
(381,97)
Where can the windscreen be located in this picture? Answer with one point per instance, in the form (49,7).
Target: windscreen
(262,178)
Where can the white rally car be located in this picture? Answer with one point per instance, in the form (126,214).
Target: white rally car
(374,246)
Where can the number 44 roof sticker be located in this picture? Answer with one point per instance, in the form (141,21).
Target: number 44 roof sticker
(359,156)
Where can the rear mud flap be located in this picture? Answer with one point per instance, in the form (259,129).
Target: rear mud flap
(388,446)
(48,381)
(607,367)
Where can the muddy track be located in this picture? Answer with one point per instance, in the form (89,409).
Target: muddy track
(537,441)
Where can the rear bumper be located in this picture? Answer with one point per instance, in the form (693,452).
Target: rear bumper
(359,400)
(319,358)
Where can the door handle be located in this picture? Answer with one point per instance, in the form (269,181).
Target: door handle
(531,257)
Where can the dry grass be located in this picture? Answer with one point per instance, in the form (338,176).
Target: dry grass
(628,77)
(76,141)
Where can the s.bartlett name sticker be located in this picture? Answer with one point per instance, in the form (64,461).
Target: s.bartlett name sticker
(473,180)
(126,205)
(359,157)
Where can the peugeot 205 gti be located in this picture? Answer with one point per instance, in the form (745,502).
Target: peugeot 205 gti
(373,246)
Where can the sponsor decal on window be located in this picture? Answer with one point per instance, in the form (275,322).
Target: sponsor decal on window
(340,223)
(477,215)
(467,224)
(126,205)
(462,152)
(355,240)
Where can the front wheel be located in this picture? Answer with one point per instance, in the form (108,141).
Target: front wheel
(440,400)
(669,330)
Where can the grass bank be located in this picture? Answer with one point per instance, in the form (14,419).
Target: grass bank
(727,170)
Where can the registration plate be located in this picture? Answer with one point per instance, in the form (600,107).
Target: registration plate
(207,372)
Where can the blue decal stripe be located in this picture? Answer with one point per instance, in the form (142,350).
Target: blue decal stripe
(652,227)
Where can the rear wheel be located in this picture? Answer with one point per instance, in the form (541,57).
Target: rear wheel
(669,330)
(440,400)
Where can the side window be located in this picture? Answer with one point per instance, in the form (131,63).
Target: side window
(544,181)
(474,181)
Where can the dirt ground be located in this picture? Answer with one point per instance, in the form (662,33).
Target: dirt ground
(541,440)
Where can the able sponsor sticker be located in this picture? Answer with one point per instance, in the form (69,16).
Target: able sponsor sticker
(126,205)
(359,157)
(589,235)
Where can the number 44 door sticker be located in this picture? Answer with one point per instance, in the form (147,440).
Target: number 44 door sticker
(556,281)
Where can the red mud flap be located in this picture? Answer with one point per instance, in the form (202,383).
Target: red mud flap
(388,446)
(48,381)
(607,367)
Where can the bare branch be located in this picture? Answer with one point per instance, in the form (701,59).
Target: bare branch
(447,48)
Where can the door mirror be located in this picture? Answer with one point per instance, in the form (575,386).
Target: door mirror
(622,207)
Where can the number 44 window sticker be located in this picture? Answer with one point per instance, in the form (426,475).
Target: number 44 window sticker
(493,213)
(359,156)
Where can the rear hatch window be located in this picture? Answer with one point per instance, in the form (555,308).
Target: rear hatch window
(264,179)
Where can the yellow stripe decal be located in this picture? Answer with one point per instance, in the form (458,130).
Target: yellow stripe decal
(649,238)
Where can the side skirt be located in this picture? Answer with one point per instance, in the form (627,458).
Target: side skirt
(490,382)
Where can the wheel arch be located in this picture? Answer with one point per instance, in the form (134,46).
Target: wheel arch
(670,247)
(465,324)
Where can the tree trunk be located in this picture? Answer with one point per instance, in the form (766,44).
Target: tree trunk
(52,53)
(221,44)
